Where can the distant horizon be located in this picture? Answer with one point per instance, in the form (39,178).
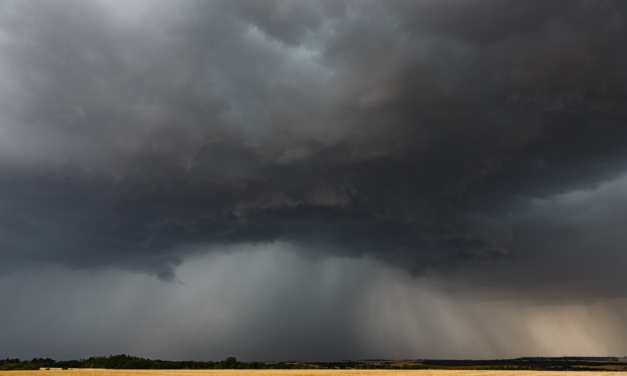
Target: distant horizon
(620,358)
(127,362)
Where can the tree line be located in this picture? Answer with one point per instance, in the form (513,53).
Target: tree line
(133,362)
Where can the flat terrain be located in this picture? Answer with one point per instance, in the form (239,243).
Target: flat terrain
(324,372)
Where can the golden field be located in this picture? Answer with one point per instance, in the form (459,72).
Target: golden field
(322,372)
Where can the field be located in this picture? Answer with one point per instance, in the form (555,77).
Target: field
(104,372)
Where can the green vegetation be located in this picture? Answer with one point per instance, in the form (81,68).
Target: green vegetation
(19,367)
(133,362)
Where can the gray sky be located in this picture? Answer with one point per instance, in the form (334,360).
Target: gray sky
(320,179)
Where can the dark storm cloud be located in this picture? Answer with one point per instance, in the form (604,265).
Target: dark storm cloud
(418,133)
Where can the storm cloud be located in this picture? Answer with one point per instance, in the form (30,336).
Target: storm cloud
(480,143)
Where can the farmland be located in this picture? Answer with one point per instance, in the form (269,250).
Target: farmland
(321,372)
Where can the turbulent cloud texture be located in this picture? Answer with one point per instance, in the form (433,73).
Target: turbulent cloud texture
(481,140)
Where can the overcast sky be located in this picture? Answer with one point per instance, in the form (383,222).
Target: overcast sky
(313,179)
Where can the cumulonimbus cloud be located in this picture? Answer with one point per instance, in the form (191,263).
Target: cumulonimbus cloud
(419,133)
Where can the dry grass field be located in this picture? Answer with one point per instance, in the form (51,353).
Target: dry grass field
(105,372)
